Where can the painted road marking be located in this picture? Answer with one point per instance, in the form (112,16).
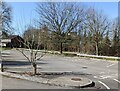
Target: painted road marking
(104,84)
(105,76)
(102,77)
(110,65)
(116,80)
(101,72)
(92,62)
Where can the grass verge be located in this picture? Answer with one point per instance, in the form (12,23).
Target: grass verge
(3,48)
(72,54)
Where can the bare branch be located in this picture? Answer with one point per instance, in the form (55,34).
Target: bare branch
(22,51)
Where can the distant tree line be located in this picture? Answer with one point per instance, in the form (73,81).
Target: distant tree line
(71,27)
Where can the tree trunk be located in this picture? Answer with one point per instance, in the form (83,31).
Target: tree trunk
(2,69)
(97,51)
(34,68)
(61,46)
(79,47)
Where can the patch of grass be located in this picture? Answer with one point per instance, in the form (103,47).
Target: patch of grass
(110,59)
(4,48)
(64,54)
(0,49)
(70,54)
(118,59)
(4,68)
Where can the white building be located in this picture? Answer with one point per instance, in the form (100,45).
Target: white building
(4,42)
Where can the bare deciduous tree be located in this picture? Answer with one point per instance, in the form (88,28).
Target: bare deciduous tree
(98,25)
(115,38)
(30,43)
(5,21)
(5,16)
(62,18)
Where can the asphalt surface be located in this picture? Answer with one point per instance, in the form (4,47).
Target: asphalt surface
(103,72)
(13,83)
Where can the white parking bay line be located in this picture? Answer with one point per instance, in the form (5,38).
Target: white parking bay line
(92,62)
(116,80)
(104,84)
(110,65)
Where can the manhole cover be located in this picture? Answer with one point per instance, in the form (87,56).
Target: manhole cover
(85,67)
(76,79)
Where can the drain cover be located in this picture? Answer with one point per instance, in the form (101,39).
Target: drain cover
(85,67)
(76,79)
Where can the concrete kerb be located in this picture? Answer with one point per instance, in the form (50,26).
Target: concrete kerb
(24,77)
(69,83)
(45,80)
(63,73)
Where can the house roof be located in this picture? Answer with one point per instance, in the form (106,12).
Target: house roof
(12,36)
